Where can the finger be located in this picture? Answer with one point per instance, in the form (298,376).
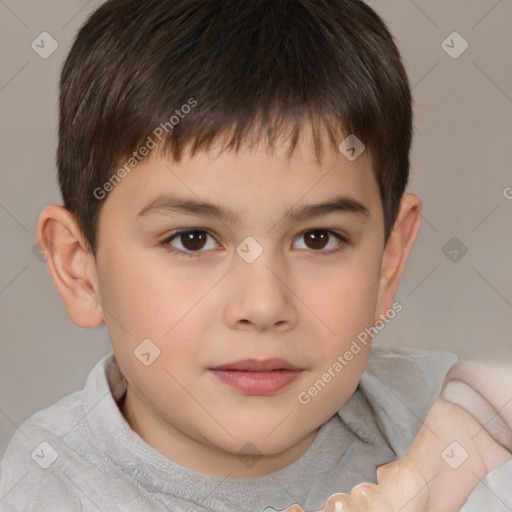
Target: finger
(363,498)
(371,498)
(492,381)
(339,502)
(403,485)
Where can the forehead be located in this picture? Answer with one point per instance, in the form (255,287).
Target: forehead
(236,185)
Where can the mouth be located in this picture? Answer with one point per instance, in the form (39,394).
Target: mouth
(254,365)
(257,377)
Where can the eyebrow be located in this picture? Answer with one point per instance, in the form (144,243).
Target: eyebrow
(169,204)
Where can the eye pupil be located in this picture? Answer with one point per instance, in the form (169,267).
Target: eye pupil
(317,239)
(193,240)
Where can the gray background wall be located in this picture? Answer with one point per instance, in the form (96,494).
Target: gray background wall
(461,168)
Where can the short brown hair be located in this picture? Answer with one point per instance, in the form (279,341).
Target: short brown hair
(253,67)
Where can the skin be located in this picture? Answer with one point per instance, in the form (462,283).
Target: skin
(423,481)
(292,302)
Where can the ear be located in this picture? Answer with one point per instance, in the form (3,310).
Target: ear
(396,252)
(71,263)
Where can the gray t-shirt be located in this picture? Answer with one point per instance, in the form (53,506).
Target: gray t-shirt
(80,454)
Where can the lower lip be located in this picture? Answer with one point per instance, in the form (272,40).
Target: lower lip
(257,383)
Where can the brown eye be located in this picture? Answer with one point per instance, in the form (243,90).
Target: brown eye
(320,239)
(190,242)
(316,239)
(193,240)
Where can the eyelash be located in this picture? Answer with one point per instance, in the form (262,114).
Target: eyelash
(194,254)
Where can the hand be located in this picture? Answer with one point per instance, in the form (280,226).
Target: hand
(401,488)
(435,476)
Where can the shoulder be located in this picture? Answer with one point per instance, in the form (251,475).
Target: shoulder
(410,376)
(45,448)
(398,389)
(24,489)
(29,474)
(399,367)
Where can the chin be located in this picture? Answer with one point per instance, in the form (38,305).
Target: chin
(259,442)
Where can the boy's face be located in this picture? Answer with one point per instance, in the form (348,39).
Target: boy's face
(264,285)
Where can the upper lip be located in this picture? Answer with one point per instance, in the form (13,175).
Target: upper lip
(255,365)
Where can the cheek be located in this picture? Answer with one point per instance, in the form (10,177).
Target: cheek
(331,387)
(347,306)
(147,300)
(146,296)
(349,297)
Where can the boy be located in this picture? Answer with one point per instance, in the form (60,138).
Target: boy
(233,176)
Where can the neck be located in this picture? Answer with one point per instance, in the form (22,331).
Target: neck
(199,454)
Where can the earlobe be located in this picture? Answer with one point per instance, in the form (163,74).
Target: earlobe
(71,263)
(397,250)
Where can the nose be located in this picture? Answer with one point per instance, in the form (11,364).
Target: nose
(260,295)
